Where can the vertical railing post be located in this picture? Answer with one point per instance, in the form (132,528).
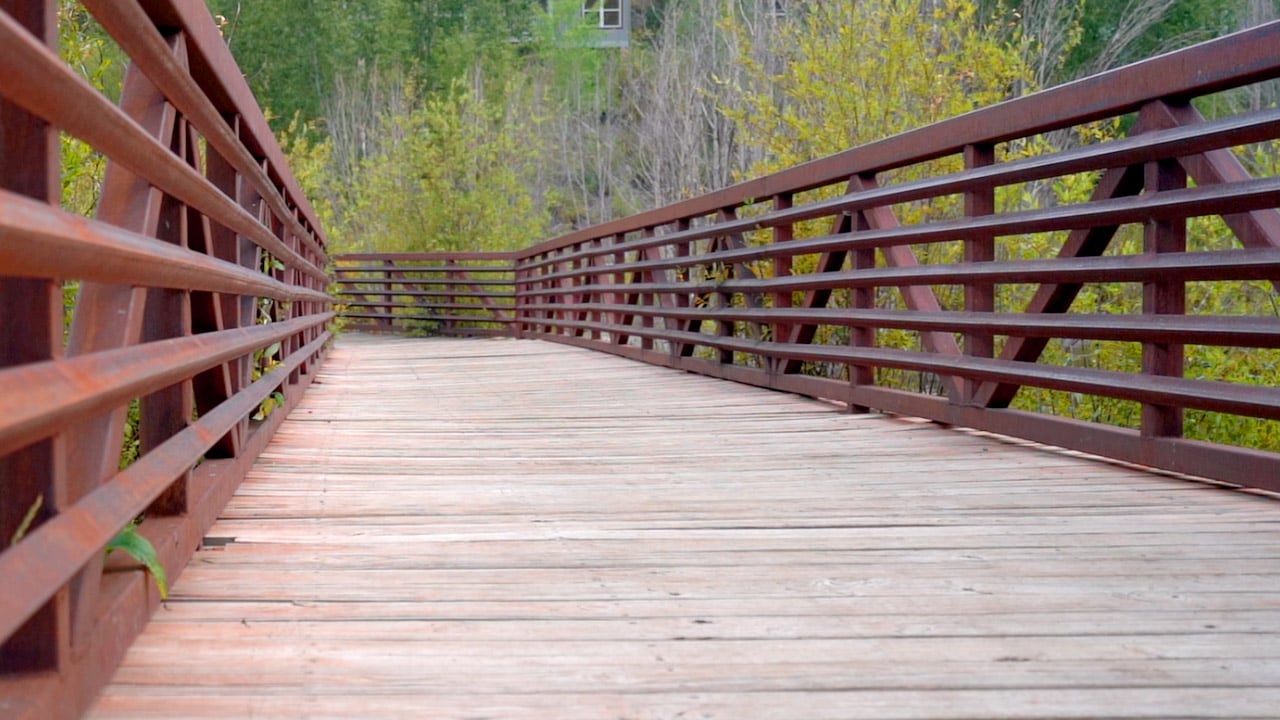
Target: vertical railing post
(212,312)
(645,298)
(519,282)
(978,297)
(862,298)
(1163,297)
(31,327)
(108,317)
(389,321)
(682,250)
(450,271)
(225,245)
(532,283)
(724,301)
(617,280)
(586,294)
(165,413)
(781,268)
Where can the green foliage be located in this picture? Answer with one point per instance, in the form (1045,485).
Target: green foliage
(485,129)
(96,58)
(458,178)
(1185,22)
(132,445)
(293,51)
(853,73)
(273,401)
(132,543)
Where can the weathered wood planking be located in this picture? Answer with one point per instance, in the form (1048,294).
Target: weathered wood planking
(503,529)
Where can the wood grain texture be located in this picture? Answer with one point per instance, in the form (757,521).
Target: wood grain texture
(513,529)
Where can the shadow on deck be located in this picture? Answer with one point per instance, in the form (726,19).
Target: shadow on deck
(498,528)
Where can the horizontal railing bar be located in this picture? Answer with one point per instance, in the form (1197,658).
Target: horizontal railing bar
(455,318)
(473,332)
(1181,141)
(1218,330)
(425,256)
(450,269)
(1244,264)
(444,293)
(42,397)
(39,82)
(1249,400)
(133,31)
(431,306)
(40,241)
(52,554)
(417,281)
(1230,61)
(1168,205)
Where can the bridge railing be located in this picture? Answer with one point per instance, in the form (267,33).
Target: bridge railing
(950,273)
(142,350)
(460,294)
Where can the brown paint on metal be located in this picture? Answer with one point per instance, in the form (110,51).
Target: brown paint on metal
(862,299)
(1136,149)
(1058,297)
(41,242)
(129,26)
(782,234)
(168,315)
(216,73)
(31,332)
(1163,296)
(119,265)
(1159,390)
(1240,331)
(108,317)
(47,88)
(979,297)
(830,261)
(73,538)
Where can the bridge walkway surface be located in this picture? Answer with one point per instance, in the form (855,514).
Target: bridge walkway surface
(520,529)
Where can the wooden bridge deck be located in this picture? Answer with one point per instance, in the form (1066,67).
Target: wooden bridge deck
(514,529)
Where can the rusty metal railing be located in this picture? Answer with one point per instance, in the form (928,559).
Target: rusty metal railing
(196,300)
(459,294)
(956,313)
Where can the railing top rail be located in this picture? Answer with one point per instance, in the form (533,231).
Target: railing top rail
(1224,63)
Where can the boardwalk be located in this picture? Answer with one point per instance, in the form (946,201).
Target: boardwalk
(512,529)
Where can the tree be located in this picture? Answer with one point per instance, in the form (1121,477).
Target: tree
(459,176)
(852,73)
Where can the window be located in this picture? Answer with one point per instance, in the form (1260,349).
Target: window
(778,8)
(603,13)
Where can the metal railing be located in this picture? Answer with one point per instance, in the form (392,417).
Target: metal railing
(907,276)
(459,294)
(196,301)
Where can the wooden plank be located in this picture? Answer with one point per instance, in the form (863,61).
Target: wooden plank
(516,529)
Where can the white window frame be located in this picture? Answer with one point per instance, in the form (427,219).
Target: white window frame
(601,10)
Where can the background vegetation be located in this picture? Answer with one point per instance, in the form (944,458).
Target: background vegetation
(541,133)
(420,125)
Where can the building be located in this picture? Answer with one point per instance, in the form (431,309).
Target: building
(607,23)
